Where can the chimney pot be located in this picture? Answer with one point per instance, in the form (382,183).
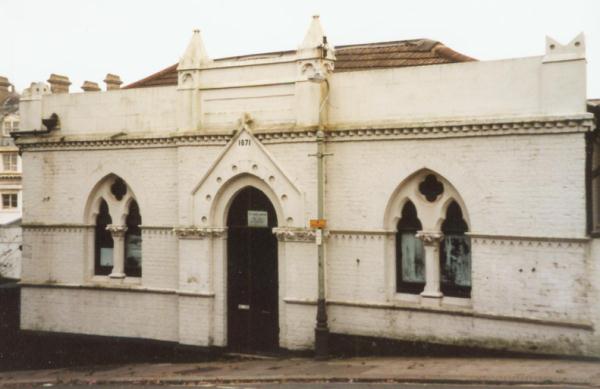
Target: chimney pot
(90,86)
(112,81)
(4,91)
(59,84)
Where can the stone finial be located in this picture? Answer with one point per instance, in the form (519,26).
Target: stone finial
(90,86)
(315,39)
(195,54)
(58,83)
(573,50)
(112,81)
(314,36)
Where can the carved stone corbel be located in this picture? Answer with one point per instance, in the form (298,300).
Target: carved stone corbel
(193,232)
(287,234)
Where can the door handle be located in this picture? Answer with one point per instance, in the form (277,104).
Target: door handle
(244,307)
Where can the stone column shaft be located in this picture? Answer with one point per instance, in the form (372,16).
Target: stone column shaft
(431,241)
(118,235)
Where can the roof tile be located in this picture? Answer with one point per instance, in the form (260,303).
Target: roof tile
(378,55)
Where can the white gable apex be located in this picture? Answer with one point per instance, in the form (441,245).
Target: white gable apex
(245,157)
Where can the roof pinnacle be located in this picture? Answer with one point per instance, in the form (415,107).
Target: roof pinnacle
(314,35)
(195,54)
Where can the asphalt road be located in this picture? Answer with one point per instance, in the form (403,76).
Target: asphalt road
(314,385)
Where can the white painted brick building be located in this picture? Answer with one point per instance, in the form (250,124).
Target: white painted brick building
(502,144)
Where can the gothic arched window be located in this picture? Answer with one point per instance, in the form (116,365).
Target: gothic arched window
(133,242)
(455,254)
(410,266)
(104,244)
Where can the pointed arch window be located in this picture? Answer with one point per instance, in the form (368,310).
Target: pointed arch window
(410,265)
(133,242)
(104,244)
(455,254)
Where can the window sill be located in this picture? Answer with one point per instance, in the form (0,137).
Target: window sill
(107,280)
(442,301)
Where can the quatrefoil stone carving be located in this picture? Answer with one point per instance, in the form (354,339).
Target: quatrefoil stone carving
(431,188)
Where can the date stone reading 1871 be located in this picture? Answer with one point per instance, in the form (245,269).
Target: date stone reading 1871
(431,188)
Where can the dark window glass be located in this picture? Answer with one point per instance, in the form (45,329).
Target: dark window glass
(410,266)
(455,254)
(118,188)
(103,262)
(9,201)
(431,188)
(133,242)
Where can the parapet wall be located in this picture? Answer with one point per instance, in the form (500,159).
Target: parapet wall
(278,95)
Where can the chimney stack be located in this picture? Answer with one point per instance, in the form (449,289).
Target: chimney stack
(58,83)
(112,82)
(4,91)
(90,86)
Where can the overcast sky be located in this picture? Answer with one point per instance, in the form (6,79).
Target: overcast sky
(85,39)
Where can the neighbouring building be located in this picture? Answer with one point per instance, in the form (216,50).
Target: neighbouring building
(10,184)
(457,202)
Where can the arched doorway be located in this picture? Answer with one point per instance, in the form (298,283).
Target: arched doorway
(252,282)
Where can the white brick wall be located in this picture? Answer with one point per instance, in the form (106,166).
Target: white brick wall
(100,312)
(511,185)
(459,330)
(59,183)
(361,178)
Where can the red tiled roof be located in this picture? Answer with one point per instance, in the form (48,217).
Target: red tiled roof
(380,55)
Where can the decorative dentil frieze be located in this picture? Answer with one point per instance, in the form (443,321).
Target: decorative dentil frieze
(289,134)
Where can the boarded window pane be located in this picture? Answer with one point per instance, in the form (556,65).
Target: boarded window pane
(455,254)
(457,267)
(410,267)
(133,242)
(413,267)
(104,243)
(134,251)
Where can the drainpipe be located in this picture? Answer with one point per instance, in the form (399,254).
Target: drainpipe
(321,329)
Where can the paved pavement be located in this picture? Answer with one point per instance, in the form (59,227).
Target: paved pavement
(506,371)
(317,385)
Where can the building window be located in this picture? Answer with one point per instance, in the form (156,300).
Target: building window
(432,255)
(594,184)
(118,244)
(455,254)
(9,201)
(410,266)
(9,162)
(133,242)
(104,243)
(15,126)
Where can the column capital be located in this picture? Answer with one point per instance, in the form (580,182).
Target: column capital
(117,231)
(430,237)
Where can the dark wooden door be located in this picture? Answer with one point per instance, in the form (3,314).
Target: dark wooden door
(252,284)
